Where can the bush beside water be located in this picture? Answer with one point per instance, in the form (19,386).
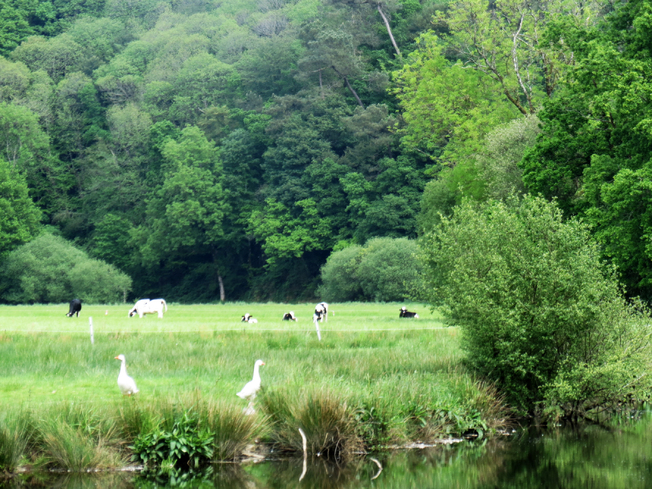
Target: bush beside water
(541,314)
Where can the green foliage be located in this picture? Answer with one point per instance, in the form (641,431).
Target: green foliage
(385,269)
(292,102)
(284,236)
(443,101)
(593,155)
(491,173)
(502,151)
(540,313)
(339,275)
(19,217)
(185,444)
(50,269)
(187,209)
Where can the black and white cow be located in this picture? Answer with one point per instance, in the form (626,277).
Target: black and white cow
(75,307)
(407,314)
(289,316)
(247,318)
(321,312)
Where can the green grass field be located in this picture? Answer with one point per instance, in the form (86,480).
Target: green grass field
(46,357)
(382,379)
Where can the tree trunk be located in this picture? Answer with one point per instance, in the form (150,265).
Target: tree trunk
(221,282)
(346,80)
(219,276)
(389,31)
(321,85)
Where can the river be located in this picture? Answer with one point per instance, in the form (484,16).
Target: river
(568,458)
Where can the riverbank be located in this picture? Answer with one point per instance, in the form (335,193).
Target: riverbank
(372,382)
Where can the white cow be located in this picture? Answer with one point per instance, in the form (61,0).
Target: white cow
(146,306)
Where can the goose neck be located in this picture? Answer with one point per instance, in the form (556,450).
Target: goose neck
(256,372)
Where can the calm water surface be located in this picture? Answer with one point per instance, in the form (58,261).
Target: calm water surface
(591,457)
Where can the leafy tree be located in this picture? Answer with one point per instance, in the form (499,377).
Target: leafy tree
(503,150)
(14,27)
(19,217)
(19,86)
(339,275)
(112,242)
(389,269)
(283,235)
(445,103)
(503,41)
(593,155)
(57,56)
(540,313)
(26,147)
(384,269)
(50,269)
(186,210)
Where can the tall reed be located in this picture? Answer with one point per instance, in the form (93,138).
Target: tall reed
(14,439)
(326,419)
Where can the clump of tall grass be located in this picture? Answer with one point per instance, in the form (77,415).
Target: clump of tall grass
(14,439)
(327,420)
(232,429)
(77,438)
(72,449)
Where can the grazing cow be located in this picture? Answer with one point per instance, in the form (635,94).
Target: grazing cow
(146,306)
(321,312)
(247,318)
(75,307)
(289,316)
(407,314)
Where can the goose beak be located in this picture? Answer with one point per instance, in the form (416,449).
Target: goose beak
(263,363)
(116,358)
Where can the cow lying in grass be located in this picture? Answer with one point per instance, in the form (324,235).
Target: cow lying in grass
(75,307)
(247,318)
(407,314)
(146,306)
(289,316)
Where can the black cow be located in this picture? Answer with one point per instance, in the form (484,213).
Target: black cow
(75,307)
(407,314)
(289,316)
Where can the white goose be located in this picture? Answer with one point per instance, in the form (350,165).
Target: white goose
(127,384)
(250,389)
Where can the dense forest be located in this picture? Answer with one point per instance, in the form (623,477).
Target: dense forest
(224,149)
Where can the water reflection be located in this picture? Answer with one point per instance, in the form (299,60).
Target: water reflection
(590,457)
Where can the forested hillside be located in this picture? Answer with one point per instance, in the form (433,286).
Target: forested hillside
(223,149)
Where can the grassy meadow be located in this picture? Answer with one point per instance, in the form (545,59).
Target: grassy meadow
(393,380)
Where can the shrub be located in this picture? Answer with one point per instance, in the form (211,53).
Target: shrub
(184,445)
(539,312)
(50,269)
(385,269)
(339,275)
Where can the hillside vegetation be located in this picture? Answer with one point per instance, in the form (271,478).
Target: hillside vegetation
(222,150)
